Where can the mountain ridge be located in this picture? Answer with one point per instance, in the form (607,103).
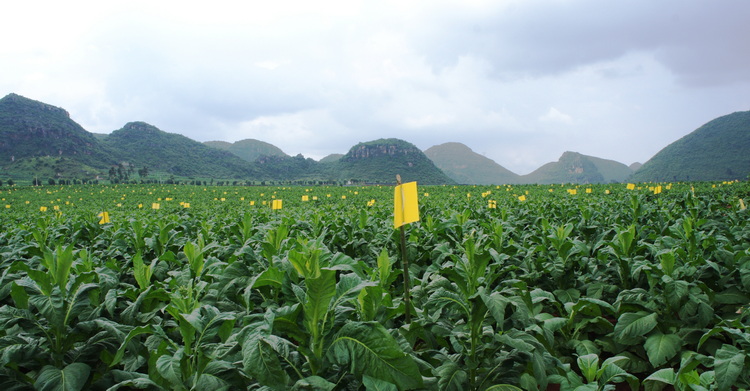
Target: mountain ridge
(39,138)
(717,150)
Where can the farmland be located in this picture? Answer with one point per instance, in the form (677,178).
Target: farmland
(535,287)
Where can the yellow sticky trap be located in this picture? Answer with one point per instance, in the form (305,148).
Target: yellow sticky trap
(405,204)
(104,217)
(305,198)
(276,205)
(492,204)
(631,186)
(522,198)
(742,204)
(155,205)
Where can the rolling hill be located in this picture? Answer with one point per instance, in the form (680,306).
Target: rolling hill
(143,145)
(573,167)
(42,140)
(379,161)
(29,128)
(718,150)
(248,149)
(38,140)
(463,165)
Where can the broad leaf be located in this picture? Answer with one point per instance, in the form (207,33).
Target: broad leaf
(662,347)
(631,326)
(503,387)
(259,358)
(71,378)
(728,365)
(660,378)
(313,383)
(589,365)
(368,349)
(373,384)
(451,377)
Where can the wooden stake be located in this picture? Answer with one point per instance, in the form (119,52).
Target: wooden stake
(405,259)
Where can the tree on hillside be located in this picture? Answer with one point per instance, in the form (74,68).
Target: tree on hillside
(143,172)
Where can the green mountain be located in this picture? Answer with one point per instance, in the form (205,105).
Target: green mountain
(29,128)
(379,161)
(248,149)
(41,140)
(573,167)
(334,157)
(465,166)
(611,170)
(143,145)
(718,150)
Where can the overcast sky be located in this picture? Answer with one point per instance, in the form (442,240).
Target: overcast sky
(519,81)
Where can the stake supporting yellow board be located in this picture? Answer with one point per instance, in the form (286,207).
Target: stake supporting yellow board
(405,204)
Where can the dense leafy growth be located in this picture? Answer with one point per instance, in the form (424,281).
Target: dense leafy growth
(186,287)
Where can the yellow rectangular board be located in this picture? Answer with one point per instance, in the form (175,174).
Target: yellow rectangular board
(405,204)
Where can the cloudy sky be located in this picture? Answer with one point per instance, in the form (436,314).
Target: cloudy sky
(520,81)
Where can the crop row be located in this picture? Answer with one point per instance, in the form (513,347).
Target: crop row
(535,287)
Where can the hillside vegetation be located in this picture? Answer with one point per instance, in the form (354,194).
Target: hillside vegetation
(41,141)
(718,150)
(141,144)
(465,166)
(248,149)
(573,167)
(29,128)
(379,161)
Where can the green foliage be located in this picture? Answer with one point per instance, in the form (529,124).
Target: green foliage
(715,151)
(610,289)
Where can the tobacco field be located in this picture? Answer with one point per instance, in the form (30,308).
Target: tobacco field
(532,287)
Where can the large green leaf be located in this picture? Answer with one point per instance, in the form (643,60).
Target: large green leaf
(631,326)
(589,366)
(313,383)
(63,261)
(451,377)
(131,380)
(71,378)
(728,365)
(373,384)
(662,347)
(503,387)
(368,349)
(169,367)
(259,358)
(659,379)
